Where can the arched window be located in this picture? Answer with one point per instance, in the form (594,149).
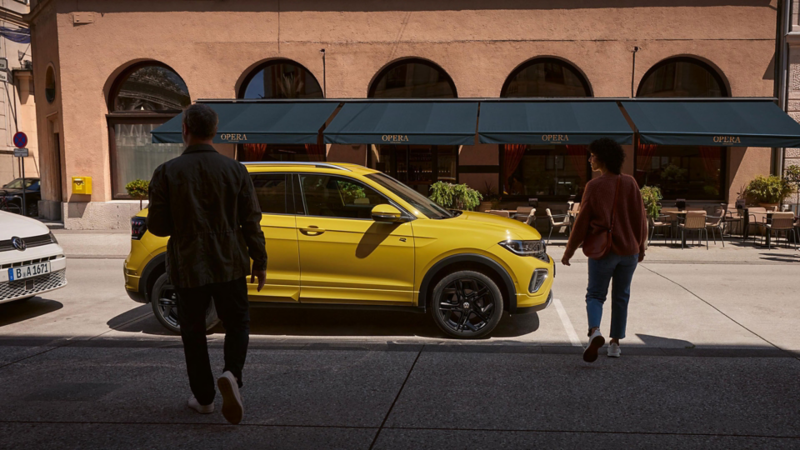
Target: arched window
(415,165)
(546,77)
(413,78)
(280,79)
(143,97)
(544,171)
(682,77)
(682,171)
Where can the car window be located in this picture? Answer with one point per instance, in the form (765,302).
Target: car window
(412,197)
(17,184)
(271,193)
(333,196)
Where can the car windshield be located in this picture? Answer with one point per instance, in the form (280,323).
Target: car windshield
(410,196)
(17,184)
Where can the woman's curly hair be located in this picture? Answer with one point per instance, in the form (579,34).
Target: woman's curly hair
(609,153)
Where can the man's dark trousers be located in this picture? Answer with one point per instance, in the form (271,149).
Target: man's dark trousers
(230,300)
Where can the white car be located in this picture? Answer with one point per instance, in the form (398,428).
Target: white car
(31,261)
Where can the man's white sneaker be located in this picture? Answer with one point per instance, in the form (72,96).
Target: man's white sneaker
(232,407)
(596,341)
(202,409)
(613,350)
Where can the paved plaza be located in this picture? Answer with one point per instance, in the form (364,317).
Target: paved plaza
(711,361)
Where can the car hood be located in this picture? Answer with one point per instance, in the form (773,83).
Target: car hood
(15,225)
(508,228)
(4,192)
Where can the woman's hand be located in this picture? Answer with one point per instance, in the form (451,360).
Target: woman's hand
(565,259)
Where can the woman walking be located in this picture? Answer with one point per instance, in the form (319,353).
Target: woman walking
(612,226)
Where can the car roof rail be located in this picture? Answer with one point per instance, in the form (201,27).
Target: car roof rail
(321,165)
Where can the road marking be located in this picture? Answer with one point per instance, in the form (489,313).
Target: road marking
(562,313)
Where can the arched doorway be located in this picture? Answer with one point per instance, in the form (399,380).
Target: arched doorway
(142,97)
(418,166)
(547,172)
(683,171)
(279,79)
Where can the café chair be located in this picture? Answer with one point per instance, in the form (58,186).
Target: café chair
(558,220)
(526,214)
(734,216)
(758,217)
(660,222)
(716,222)
(695,221)
(781,221)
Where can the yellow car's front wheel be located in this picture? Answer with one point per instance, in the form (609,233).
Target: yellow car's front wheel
(466,304)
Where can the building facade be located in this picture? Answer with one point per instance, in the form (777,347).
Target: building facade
(17,105)
(111,71)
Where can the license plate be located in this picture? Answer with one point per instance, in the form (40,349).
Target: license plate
(33,270)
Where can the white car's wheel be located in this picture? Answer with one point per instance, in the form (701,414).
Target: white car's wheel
(164,299)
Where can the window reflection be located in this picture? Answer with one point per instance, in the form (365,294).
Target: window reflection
(682,77)
(682,171)
(546,78)
(545,170)
(152,88)
(416,79)
(281,79)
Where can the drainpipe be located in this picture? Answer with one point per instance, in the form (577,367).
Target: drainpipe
(633,71)
(782,67)
(324,88)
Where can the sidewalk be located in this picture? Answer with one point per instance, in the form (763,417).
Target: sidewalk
(116,244)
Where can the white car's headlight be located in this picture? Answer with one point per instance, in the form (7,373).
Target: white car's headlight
(537,249)
(53,238)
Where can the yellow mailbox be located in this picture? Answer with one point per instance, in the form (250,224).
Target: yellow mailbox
(82,185)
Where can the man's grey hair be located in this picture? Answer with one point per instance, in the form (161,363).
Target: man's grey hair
(201,121)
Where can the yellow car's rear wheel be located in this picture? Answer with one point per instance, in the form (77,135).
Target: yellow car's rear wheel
(466,304)
(164,299)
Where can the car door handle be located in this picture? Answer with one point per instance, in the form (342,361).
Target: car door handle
(312,230)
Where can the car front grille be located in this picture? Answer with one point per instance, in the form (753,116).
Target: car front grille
(30,242)
(42,283)
(31,261)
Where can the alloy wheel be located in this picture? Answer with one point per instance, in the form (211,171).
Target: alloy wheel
(466,305)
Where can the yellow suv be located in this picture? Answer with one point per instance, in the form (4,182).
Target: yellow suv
(344,235)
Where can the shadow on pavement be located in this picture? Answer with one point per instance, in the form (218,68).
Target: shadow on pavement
(781,257)
(21,310)
(662,342)
(320,322)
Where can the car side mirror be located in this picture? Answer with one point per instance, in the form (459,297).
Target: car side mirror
(387,214)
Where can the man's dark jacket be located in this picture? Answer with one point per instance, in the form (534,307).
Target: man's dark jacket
(206,203)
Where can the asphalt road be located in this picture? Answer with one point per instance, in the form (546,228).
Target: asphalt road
(711,361)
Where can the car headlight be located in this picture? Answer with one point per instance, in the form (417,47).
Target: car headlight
(53,238)
(537,249)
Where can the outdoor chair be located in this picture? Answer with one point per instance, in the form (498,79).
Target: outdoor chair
(660,222)
(781,221)
(526,214)
(556,221)
(695,221)
(716,222)
(758,217)
(498,212)
(733,216)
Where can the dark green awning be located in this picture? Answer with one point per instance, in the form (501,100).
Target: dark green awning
(727,123)
(427,123)
(259,123)
(552,122)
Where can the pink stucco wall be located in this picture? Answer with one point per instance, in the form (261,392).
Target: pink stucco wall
(213,45)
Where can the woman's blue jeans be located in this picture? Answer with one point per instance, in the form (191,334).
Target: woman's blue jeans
(601,271)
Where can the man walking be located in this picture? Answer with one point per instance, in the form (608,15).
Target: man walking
(206,203)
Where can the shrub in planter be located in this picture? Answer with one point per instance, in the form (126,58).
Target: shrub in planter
(651,195)
(455,196)
(138,190)
(768,190)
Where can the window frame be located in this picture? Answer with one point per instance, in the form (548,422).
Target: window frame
(547,60)
(546,198)
(684,59)
(257,69)
(723,176)
(349,180)
(373,86)
(126,119)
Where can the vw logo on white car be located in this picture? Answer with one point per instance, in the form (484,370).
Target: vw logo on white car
(18,243)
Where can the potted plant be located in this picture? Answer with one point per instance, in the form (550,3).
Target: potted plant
(138,190)
(769,191)
(792,176)
(455,196)
(651,195)
(491,199)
